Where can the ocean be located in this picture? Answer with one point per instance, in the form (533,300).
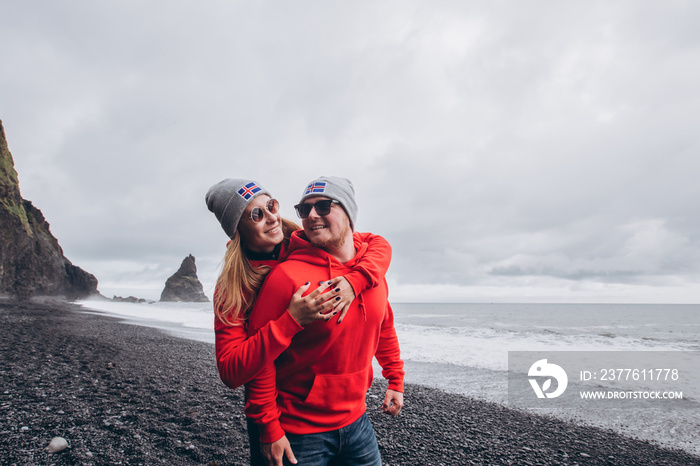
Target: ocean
(465,348)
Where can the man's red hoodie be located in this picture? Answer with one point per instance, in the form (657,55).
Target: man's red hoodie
(320,382)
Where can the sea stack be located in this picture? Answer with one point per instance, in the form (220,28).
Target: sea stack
(183,285)
(31,260)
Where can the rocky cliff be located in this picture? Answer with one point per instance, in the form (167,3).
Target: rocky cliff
(31,260)
(184,285)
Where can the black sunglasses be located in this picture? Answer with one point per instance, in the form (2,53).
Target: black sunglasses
(258,214)
(323,208)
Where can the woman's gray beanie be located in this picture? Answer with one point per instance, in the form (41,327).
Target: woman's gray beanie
(334,187)
(228,199)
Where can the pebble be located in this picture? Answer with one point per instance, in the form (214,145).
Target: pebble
(57,445)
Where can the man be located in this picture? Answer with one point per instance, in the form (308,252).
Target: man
(310,406)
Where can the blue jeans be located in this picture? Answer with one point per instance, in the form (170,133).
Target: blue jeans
(353,445)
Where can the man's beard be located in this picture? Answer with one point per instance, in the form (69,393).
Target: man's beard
(335,242)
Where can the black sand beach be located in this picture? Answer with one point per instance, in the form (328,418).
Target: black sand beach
(123,394)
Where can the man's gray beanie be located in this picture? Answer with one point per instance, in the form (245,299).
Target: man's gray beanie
(228,199)
(334,187)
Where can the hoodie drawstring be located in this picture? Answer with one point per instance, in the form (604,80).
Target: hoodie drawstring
(330,268)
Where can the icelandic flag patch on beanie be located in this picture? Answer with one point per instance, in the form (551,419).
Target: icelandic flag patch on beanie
(317,187)
(248,190)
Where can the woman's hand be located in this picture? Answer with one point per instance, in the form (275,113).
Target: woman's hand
(341,288)
(317,305)
(321,304)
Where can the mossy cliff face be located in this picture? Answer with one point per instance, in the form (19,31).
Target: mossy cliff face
(31,260)
(10,199)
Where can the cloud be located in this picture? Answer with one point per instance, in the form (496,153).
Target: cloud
(496,145)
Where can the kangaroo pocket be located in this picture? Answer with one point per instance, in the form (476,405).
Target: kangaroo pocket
(340,394)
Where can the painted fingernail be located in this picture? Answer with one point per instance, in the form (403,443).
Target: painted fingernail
(308,283)
(337,298)
(336,290)
(321,283)
(329,282)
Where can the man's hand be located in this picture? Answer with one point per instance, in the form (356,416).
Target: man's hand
(393,402)
(275,451)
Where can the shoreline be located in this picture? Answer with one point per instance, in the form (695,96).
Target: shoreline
(132,394)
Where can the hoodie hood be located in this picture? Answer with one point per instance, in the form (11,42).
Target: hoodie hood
(301,249)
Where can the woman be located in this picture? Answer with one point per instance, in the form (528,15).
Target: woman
(258,240)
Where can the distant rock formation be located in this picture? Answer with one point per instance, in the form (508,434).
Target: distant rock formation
(130,299)
(31,260)
(183,285)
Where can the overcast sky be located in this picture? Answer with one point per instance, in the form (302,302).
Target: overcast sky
(511,151)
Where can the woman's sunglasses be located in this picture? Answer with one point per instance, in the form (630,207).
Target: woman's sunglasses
(258,214)
(323,208)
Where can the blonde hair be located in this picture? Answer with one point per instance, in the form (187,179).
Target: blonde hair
(239,281)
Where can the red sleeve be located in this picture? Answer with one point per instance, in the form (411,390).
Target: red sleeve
(261,405)
(371,268)
(388,353)
(240,358)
